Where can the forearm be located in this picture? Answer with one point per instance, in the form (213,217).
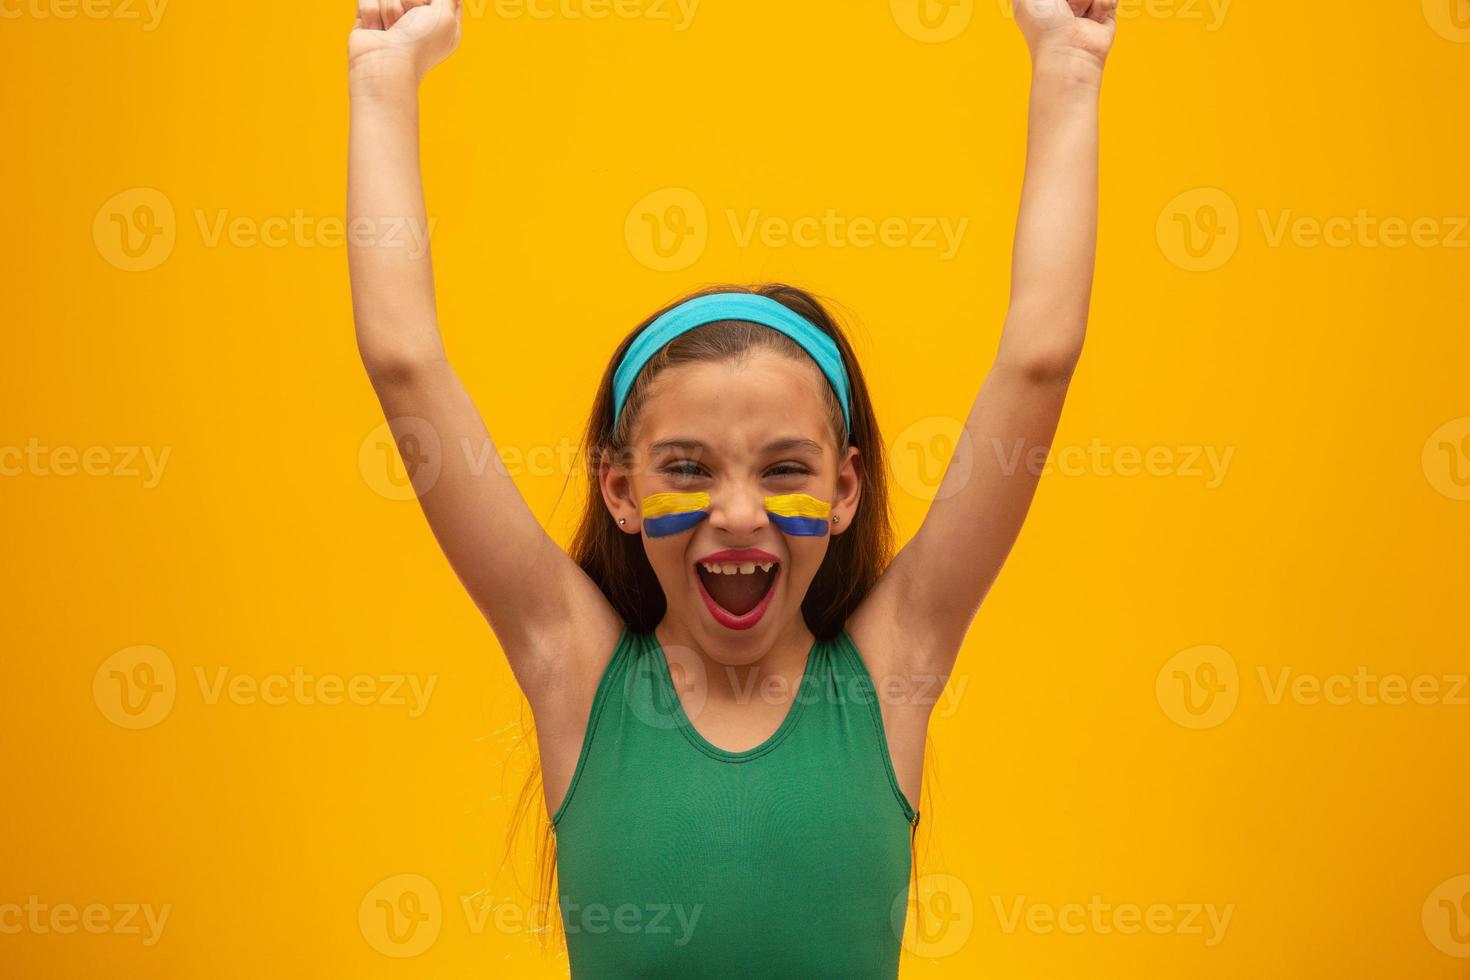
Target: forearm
(1056,232)
(388,254)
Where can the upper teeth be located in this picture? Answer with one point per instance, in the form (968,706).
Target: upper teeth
(735,568)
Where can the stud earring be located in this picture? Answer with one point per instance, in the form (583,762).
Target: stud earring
(622,520)
(835,518)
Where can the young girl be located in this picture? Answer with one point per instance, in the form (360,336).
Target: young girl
(728,675)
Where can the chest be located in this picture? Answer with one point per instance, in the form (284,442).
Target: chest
(743,867)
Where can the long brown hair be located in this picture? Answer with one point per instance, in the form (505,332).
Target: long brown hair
(617,562)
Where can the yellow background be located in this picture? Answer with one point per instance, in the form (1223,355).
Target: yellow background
(1335,539)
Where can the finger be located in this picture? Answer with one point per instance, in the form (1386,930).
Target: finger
(1079,7)
(392,11)
(452,7)
(368,15)
(1103,11)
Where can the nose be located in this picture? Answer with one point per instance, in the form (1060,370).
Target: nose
(739,510)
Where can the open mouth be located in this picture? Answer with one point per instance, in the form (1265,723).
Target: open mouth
(737,587)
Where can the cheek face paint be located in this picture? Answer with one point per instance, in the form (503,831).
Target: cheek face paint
(673,513)
(800,514)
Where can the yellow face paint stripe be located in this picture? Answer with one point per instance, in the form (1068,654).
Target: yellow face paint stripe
(799,514)
(664,504)
(673,513)
(798,505)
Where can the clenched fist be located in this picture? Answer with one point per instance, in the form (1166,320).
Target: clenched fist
(417,34)
(1087,26)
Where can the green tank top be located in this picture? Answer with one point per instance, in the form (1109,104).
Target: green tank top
(678,859)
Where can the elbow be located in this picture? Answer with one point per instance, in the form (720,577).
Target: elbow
(394,367)
(1043,345)
(1053,365)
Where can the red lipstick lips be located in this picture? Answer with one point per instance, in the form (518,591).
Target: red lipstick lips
(740,554)
(723,616)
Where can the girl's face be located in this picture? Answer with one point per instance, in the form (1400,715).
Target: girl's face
(739,431)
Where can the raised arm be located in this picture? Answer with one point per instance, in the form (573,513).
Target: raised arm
(550,618)
(919,613)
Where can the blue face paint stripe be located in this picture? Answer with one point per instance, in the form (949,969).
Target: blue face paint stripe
(810,527)
(661,527)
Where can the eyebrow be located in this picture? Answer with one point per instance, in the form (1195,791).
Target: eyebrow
(788,444)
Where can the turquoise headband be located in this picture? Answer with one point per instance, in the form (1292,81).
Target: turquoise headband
(748,307)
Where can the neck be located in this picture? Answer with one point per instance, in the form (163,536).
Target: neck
(734,668)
